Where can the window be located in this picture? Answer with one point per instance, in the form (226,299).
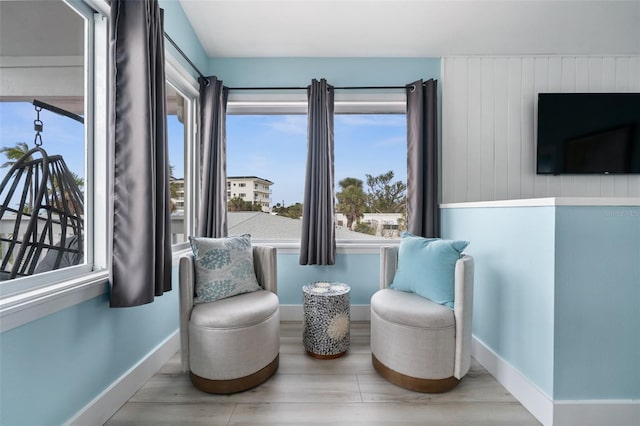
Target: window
(64,64)
(370,173)
(369,148)
(47,225)
(272,150)
(182,95)
(177,138)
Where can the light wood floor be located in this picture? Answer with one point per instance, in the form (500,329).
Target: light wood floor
(343,391)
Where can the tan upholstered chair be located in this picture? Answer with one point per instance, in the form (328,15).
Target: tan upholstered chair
(232,344)
(418,344)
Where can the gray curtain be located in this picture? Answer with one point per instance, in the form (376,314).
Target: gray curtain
(318,239)
(423,213)
(212,220)
(141,243)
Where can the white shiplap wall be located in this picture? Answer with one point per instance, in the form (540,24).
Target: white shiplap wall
(489,108)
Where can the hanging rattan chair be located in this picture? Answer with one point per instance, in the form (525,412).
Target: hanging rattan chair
(44,207)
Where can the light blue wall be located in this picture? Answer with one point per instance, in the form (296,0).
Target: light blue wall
(271,72)
(597,327)
(557,294)
(178,27)
(360,271)
(513,312)
(51,368)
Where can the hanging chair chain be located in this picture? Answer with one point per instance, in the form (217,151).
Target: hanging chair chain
(37,126)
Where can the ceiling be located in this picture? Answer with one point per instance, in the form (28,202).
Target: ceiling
(24,29)
(359,28)
(24,33)
(417,28)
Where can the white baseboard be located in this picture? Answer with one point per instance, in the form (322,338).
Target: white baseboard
(597,413)
(295,313)
(529,395)
(555,413)
(106,404)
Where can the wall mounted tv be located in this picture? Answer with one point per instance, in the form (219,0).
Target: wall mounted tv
(588,133)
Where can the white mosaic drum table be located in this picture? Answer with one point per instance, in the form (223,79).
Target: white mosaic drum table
(326,319)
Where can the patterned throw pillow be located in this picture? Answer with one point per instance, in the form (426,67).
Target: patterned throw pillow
(223,267)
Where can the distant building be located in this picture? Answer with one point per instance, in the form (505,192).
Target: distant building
(177,198)
(386,225)
(250,188)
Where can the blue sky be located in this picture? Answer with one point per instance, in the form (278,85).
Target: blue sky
(274,147)
(269,146)
(61,135)
(65,136)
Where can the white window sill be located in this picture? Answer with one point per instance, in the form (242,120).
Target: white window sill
(342,246)
(34,304)
(293,246)
(21,308)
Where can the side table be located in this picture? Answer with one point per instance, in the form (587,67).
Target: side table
(326,319)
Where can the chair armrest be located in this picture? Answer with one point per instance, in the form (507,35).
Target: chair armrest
(187,286)
(265,263)
(388,265)
(463,313)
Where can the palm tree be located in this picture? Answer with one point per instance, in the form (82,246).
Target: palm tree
(70,199)
(14,153)
(174,187)
(78,180)
(352,200)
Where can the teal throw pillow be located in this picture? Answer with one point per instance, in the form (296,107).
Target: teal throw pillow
(223,267)
(426,266)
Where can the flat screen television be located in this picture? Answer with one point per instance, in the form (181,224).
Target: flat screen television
(588,133)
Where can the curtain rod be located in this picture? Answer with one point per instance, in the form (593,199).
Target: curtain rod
(184,55)
(335,88)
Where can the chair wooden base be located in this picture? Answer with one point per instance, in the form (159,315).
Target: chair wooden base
(414,383)
(235,385)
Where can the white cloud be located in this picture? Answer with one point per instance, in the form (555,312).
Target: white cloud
(291,124)
(386,120)
(392,141)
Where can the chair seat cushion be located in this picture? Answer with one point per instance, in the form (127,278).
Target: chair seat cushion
(243,310)
(411,309)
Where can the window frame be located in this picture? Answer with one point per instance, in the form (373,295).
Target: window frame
(30,298)
(185,149)
(187,86)
(34,282)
